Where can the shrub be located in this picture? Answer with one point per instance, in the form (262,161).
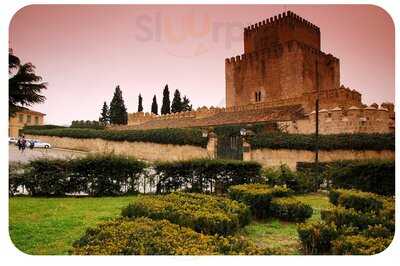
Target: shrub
(316,237)
(178,136)
(358,200)
(359,245)
(257,196)
(16,177)
(41,127)
(204,175)
(342,217)
(97,175)
(376,176)
(377,231)
(290,209)
(359,141)
(87,124)
(143,236)
(203,213)
(300,182)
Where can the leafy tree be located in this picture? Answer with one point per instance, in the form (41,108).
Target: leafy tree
(24,86)
(118,113)
(186,106)
(165,108)
(105,114)
(140,105)
(176,102)
(154,106)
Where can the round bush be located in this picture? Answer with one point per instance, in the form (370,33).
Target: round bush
(290,209)
(358,200)
(203,213)
(257,196)
(316,237)
(143,236)
(359,245)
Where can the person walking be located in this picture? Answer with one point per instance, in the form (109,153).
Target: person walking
(23,143)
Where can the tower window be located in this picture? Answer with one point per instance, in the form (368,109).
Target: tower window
(258,96)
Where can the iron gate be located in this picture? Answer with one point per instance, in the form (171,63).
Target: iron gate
(230,147)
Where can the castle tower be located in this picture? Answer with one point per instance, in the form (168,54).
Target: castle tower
(279,66)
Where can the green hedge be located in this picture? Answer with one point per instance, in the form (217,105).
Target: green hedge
(143,236)
(358,200)
(203,213)
(257,196)
(316,237)
(290,209)
(376,176)
(359,141)
(299,182)
(41,127)
(343,217)
(176,136)
(100,175)
(204,175)
(359,245)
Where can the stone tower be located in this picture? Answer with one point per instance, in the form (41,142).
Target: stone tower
(281,59)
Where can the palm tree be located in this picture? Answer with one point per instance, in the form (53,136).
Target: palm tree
(24,86)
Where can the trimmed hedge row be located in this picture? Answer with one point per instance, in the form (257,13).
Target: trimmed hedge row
(376,176)
(143,236)
(100,175)
(358,200)
(299,182)
(178,136)
(257,196)
(359,141)
(203,213)
(41,127)
(345,230)
(205,175)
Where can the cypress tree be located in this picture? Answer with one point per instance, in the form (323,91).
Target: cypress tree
(166,103)
(140,105)
(176,102)
(104,115)
(186,106)
(118,113)
(154,106)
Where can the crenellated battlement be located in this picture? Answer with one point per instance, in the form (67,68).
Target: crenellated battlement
(277,51)
(284,18)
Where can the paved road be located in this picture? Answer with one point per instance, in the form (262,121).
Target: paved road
(17,156)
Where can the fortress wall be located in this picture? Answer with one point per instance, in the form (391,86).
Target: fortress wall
(141,150)
(337,120)
(274,158)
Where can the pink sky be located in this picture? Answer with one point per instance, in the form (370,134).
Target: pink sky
(83,52)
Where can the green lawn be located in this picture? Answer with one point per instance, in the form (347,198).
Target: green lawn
(50,225)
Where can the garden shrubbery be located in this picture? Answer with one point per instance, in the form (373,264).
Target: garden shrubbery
(41,127)
(178,136)
(376,176)
(205,175)
(361,223)
(299,182)
(266,201)
(143,236)
(257,196)
(358,200)
(203,213)
(359,141)
(290,209)
(101,175)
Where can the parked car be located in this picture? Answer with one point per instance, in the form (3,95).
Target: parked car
(12,140)
(37,144)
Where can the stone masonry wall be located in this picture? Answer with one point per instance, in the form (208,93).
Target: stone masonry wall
(274,158)
(141,150)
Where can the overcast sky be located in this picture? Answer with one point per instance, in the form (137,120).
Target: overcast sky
(83,52)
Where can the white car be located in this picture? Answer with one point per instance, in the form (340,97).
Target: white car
(12,140)
(38,144)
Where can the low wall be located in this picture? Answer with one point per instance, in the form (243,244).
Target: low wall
(271,158)
(141,150)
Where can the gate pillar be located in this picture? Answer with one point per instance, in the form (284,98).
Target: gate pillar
(212,145)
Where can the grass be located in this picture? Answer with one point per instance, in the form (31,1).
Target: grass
(282,236)
(50,225)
